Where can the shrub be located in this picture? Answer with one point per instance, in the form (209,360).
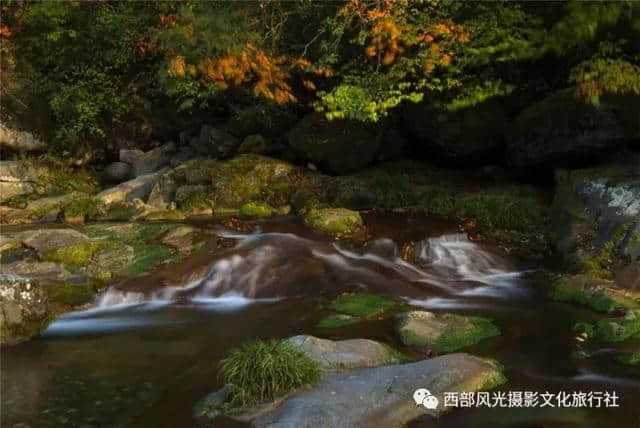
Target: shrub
(263,369)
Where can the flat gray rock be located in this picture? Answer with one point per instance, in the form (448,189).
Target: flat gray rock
(345,354)
(139,187)
(381,396)
(43,240)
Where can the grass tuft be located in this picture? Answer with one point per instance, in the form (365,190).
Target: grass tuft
(264,369)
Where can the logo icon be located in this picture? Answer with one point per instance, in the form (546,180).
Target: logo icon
(424,397)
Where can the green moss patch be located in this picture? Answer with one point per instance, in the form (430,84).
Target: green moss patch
(256,210)
(72,294)
(84,206)
(169,215)
(77,254)
(629,359)
(337,320)
(445,332)
(333,221)
(598,301)
(618,329)
(353,308)
(364,305)
(265,369)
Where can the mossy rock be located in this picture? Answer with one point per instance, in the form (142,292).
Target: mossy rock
(338,146)
(334,221)
(69,295)
(629,359)
(364,305)
(618,329)
(443,332)
(337,321)
(353,308)
(75,254)
(256,210)
(585,291)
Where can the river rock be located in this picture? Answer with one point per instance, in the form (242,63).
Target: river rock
(116,172)
(443,332)
(564,130)
(596,218)
(381,396)
(215,143)
(345,354)
(163,193)
(129,156)
(139,187)
(152,160)
(23,309)
(333,221)
(337,146)
(44,240)
(20,141)
(41,271)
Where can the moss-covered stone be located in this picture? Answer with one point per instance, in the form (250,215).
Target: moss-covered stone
(629,359)
(618,329)
(84,206)
(584,291)
(337,320)
(76,254)
(362,304)
(334,221)
(444,332)
(256,210)
(338,146)
(353,308)
(71,294)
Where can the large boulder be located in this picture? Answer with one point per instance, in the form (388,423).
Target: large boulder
(464,135)
(152,160)
(338,146)
(215,143)
(20,141)
(44,240)
(596,219)
(116,172)
(139,187)
(24,310)
(346,354)
(382,396)
(564,130)
(16,178)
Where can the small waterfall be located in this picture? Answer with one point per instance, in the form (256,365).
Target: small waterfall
(268,266)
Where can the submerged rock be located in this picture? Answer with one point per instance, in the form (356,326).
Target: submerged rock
(334,221)
(346,354)
(382,396)
(24,310)
(443,332)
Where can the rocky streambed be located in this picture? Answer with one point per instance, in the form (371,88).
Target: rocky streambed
(121,302)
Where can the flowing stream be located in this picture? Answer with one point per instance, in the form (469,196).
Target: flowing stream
(146,352)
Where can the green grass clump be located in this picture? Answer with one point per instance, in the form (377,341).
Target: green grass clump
(393,190)
(77,254)
(502,211)
(437,201)
(629,358)
(363,305)
(597,301)
(195,201)
(88,207)
(264,369)
(333,221)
